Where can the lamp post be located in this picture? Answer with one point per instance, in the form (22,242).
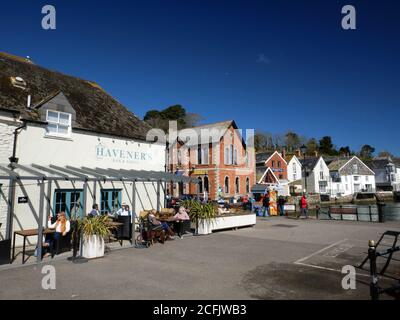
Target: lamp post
(303,150)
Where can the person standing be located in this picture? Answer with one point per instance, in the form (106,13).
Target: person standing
(266,205)
(281,205)
(303,207)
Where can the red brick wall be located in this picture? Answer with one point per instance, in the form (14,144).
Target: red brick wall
(273,164)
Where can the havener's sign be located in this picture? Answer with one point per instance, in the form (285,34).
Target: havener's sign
(121,155)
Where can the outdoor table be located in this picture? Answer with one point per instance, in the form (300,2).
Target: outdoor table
(25,234)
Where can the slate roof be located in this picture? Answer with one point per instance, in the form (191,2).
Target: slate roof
(194,133)
(309,163)
(378,163)
(263,156)
(337,164)
(96,110)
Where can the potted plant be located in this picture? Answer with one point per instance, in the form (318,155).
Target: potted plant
(203,214)
(93,230)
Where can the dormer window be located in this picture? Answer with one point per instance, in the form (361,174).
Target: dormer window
(59,124)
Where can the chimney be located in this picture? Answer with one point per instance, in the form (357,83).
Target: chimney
(283,152)
(298,152)
(316,153)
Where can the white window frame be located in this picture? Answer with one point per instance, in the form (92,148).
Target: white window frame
(56,134)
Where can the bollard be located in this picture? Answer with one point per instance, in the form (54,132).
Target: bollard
(374,289)
(381,212)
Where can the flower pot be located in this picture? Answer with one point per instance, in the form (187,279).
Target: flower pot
(93,247)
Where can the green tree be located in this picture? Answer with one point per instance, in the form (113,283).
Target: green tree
(326,146)
(292,141)
(344,151)
(366,152)
(312,146)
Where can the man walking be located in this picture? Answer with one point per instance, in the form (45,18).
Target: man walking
(281,205)
(303,207)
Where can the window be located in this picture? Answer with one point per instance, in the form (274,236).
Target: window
(235,157)
(68,201)
(321,175)
(355,168)
(247,159)
(294,176)
(356,178)
(226,190)
(366,178)
(294,168)
(226,156)
(202,154)
(237,185)
(279,164)
(280,176)
(231,155)
(200,186)
(247,185)
(110,200)
(59,123)
(273,163)
(206,184)
(179,157)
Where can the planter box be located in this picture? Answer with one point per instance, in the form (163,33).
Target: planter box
(226,222)
(93,247)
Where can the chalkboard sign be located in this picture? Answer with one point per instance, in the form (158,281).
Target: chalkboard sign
(23,199)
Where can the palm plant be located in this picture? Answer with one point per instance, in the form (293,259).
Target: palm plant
(95,226)
(198,211)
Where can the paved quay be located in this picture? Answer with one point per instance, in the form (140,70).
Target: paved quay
(279,258)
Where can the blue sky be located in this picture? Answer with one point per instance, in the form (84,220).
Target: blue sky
(270,65)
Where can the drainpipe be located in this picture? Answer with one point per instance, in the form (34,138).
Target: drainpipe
(14,159)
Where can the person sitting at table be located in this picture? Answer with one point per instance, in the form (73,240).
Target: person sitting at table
(180,217)
(155,222)
(95,211)
(62,226)
(124,210)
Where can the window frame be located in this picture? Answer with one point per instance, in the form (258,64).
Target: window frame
(58,123)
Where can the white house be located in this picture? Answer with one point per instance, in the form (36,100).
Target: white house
(349,176)
(294,174)
(316,179)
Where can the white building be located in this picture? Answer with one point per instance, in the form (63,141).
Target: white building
(294,174)
(349,176)
(316,179)
(74,131)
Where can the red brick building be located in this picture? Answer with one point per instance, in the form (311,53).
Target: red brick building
(218,156)
(273,160)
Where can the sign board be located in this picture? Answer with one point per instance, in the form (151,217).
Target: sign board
(23,199)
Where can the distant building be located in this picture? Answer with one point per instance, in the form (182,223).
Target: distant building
(387,174)
(294,174)
(317,179)
(272,168)
(224,165)
(349,176)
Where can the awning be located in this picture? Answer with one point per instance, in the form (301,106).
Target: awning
(259,188)
(58,173)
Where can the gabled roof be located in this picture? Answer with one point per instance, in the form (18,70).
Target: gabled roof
(96,110)
(335,165)
(309,163)
(380,163)
(194,133)
(266,172)
(264,157)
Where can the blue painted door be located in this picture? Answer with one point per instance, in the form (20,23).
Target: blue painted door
(110,200)
(68,201)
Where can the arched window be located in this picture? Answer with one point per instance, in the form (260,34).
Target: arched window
(235,156)
(226,190)
(200,185)
(206,187)
(226,156)
(247,185)
(237,185)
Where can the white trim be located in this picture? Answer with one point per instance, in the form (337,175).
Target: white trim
(273,155)
(268,169)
